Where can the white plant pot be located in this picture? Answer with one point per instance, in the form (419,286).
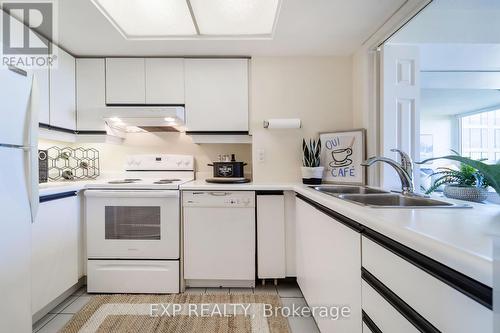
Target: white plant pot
(312,176)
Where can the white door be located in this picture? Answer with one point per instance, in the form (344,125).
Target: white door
(62,92)
(15,242)
(132,224)
(164,81)
(14,97)
(90,94)
(400,99)
(125,81)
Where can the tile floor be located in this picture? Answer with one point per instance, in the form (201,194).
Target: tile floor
(288,292)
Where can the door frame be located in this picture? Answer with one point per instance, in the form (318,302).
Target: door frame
(370,52)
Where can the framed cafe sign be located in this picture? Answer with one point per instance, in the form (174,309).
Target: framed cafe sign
(342,154)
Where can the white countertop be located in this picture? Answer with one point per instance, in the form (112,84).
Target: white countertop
(201,184)
(62,186)
(458,238)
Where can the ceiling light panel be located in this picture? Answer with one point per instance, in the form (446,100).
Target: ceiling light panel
(235,17)
(141,19)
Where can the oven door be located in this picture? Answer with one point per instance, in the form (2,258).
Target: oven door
(139,224)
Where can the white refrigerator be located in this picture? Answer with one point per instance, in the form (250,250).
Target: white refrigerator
(18,195)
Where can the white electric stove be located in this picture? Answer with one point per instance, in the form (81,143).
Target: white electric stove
(133,226)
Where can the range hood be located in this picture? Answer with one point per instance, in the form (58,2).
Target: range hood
(130,118)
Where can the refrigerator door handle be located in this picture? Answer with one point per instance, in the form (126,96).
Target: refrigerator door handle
(32,180)
(32,151)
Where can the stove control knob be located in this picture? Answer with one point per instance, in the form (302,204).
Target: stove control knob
(178,163)
(187,162)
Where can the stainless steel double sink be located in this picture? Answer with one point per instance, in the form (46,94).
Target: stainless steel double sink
(371,197)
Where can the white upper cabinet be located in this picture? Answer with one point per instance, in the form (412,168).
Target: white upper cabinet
(90,94)
(62,91)
(42,79)
(144,81)
(164,81)
(216,95)
(125,81)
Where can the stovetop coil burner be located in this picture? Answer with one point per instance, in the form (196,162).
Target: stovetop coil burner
(125,181)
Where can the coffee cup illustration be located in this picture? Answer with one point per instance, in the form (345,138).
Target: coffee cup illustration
(341,157)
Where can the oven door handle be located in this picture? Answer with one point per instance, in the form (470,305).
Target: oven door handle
(131,194)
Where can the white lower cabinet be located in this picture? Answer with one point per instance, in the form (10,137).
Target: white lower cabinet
(271,260)
(386,317)
(55,252)
(366,329)
(328,266)
(443,306)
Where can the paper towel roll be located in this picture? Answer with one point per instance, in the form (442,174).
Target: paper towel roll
(282,123)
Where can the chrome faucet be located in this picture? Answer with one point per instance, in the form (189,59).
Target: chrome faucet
(403,169)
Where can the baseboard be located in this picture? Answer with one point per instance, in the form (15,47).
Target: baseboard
(46,309)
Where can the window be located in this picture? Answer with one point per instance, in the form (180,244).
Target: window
(480,135)
(132,222)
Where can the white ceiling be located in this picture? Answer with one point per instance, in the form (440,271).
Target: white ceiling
(454,21)
(447,102)
(304,27)
(459,57)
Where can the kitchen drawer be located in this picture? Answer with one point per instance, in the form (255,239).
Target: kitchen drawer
(382,313)
(448,309)
(132,276)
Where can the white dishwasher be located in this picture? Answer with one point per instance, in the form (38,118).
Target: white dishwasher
(219,238)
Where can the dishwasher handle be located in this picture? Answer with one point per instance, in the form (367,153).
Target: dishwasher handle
(219,194)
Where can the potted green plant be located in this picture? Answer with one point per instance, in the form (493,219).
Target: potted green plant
(312,172)
(470,181)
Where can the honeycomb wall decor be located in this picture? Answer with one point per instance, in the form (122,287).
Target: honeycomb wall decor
(72,163)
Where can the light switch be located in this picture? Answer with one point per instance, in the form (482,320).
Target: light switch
(261,155)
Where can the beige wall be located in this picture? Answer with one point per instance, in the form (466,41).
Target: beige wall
(112,156)
(317,90)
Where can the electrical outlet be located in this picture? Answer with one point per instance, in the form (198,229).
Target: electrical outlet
(261,155)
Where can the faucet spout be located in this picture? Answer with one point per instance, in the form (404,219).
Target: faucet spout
(406,177)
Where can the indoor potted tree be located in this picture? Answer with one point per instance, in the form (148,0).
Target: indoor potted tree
(470,181)
(312,172)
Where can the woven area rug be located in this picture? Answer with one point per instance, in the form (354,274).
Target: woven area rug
(180,313)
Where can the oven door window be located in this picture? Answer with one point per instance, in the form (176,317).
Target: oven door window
(132,222)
